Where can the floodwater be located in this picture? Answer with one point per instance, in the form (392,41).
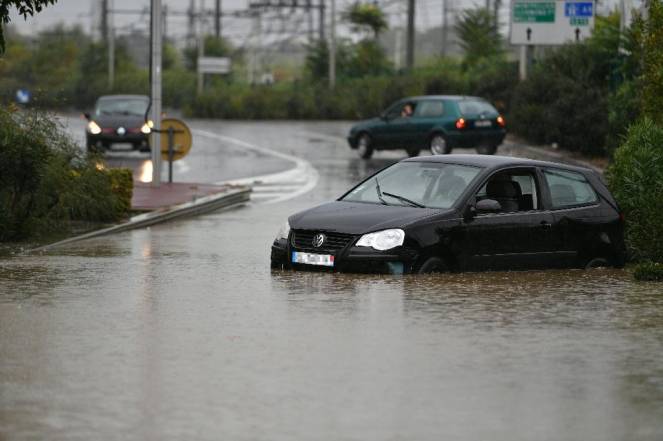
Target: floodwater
(181,331)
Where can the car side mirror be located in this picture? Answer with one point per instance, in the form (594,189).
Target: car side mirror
(488,206)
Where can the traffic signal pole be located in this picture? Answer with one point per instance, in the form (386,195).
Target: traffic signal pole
(155,88)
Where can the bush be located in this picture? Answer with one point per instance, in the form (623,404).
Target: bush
(549,107)
(46,181)
(649,271)
(636,180)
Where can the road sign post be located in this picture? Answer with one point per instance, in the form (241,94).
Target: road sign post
(176,144)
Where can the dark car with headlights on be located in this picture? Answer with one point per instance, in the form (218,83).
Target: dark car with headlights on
(437,123)
(459,213)
(119,119)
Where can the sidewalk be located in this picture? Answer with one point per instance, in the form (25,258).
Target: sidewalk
(149,198)
(167,202)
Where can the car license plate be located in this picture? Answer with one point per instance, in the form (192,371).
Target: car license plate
(312,259)
(483,123)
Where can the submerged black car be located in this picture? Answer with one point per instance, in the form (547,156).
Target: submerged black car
(459,213)
(119,119)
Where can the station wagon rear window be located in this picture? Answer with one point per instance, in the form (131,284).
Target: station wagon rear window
(429,109)
(569,188)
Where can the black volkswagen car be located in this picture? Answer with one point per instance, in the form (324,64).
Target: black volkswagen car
(459,213)
(119,119)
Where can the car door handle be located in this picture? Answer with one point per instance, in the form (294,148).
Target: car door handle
(545,225)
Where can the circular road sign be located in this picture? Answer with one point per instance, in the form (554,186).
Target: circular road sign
(181,138)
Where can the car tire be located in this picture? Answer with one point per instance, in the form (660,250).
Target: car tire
(488,149)
(597,262)
(364,146)
(432,265)
(413,151)
(438,145)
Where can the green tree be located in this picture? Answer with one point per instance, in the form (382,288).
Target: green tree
(652,62)
(24,7)
(479,35)
(366,16)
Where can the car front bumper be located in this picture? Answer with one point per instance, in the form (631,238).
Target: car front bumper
(113,138)
(399,260)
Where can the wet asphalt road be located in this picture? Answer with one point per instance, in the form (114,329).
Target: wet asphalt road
(181,331)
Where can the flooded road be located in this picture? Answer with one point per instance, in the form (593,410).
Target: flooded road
(181,331)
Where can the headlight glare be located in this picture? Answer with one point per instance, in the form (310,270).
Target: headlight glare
(382,240)
(147,128)
(284,231)
(93,128)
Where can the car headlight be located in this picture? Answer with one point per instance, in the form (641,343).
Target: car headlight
(93,128)
(147,127)
(382,240)
(284,231)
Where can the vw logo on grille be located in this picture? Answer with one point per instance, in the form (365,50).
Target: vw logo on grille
(318,240)
(121,131)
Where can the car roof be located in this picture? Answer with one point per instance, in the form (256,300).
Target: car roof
(493,161)
(443,97)
(123,97)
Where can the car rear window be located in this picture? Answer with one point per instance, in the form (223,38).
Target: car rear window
(569,188)
(475,107)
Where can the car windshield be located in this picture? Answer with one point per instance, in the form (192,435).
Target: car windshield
(121,106)
(416,184)
(475,107)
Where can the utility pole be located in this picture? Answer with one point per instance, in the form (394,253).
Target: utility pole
(191,22)
(155,88)
(409,58)
(332,46)
(398,35)
(201,47)
(321,21)
(497,4)
(445,25)
(217,19)
(111,49)
(103,28)
(309,16)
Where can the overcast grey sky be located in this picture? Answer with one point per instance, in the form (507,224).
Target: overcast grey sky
(86,13)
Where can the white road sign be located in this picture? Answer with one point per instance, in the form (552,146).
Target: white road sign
(214,65)
(551,22)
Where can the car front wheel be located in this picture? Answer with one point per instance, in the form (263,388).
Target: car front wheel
(432,265)
(364,147)
(439,145)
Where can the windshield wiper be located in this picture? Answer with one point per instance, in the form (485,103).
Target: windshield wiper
(404,199)
(377,189)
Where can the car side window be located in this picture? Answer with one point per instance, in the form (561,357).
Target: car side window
(515,190)
(429,109)
(568,189)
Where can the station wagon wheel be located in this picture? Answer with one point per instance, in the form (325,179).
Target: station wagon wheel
(364,147)
(432,265)
(438,145)
(413,151)
(487,149)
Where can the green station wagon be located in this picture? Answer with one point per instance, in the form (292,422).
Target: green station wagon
(438,123)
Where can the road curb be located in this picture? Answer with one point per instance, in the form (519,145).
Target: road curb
(206,204)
